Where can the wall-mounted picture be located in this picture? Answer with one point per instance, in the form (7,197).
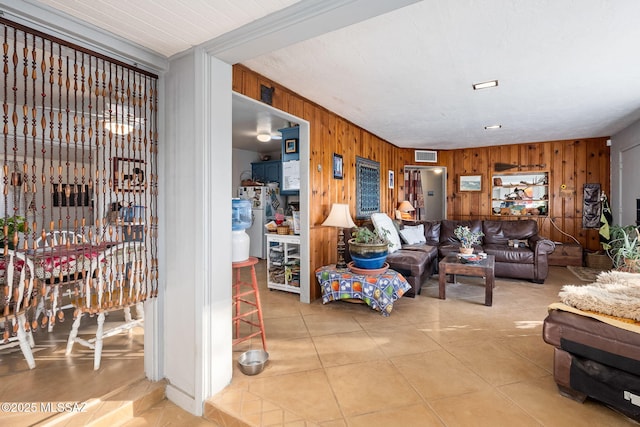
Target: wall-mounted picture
(391,179)
(291,145)
(129,174)
(337,166)
(71,195)
(368,186)
(470,182)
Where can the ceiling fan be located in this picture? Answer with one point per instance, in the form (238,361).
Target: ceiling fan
(266,136)
(264,131)
(122,122)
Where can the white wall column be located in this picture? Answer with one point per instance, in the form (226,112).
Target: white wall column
(197,224)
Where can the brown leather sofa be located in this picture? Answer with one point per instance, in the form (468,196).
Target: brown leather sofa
(528,260)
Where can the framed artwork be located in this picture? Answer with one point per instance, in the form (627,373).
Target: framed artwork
(337,166)
(129,174)
(470,182)
(291,145)
(367,187)
(71,195)
(391,179)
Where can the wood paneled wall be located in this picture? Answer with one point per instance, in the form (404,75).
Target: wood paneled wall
(572,163)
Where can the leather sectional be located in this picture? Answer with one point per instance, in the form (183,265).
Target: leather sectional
(417,262)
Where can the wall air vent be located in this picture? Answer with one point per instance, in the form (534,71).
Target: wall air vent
(424,156)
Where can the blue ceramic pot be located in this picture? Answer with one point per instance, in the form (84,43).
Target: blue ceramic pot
(368,255)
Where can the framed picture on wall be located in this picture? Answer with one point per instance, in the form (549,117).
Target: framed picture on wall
(291,145)
(470,182)
(391,179)
(337,166)
(368,185)
(129,174)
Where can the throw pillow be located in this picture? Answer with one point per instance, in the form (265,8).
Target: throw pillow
(381,221)
(413,234)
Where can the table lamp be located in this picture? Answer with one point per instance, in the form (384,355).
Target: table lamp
(405,208)
(340,217)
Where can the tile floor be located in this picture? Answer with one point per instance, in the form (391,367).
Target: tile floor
(58,378)
(452,362)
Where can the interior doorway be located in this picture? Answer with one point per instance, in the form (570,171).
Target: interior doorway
(426,190)
(629,203)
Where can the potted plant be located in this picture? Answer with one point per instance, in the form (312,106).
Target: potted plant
(9,227)
(467,238)
(624,247)
(368,248)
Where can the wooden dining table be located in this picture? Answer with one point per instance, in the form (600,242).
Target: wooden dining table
(60,271)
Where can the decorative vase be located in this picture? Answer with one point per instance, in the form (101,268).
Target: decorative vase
(466,251)
(368,255)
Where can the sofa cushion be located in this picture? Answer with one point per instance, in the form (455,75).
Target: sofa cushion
(432,231)
(410,263)
(447,228)
(382,222)
(413,234)
(500,232)
(504,253)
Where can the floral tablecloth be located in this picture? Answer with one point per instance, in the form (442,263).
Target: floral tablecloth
(378,291)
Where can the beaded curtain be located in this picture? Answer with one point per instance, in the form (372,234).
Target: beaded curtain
(79,146)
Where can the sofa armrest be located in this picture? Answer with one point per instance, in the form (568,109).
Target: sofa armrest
(540,245)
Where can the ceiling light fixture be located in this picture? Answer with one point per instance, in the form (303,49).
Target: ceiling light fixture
(264,137)
(485,85)
(492,127)
(118,128)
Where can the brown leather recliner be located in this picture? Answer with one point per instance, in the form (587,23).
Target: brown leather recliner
(595,359)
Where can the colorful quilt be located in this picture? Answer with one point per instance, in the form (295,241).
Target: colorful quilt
(378,291)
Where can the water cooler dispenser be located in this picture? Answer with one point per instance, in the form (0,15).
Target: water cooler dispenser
(240,221)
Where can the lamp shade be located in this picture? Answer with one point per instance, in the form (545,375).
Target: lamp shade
(406,206)
(339,216)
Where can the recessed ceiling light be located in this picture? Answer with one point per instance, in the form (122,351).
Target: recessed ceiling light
(485,85)
(492,127)
(264,137)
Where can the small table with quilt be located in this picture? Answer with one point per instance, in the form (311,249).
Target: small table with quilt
(378,290)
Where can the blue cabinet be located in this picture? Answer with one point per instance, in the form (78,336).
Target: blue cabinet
(290,143)
(266,172)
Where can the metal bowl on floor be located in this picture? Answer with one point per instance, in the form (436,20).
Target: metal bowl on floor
(252,362)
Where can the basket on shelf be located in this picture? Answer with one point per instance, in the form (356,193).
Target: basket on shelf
(283,229)
(598,260)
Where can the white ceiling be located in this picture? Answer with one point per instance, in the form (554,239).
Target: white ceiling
(566,68)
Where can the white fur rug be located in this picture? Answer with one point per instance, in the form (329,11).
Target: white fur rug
(614,293)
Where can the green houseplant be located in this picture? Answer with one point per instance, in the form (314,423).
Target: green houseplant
(368,248)
(467,238)
(9,227)
(624,247)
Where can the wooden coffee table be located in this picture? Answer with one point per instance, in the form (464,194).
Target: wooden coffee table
(452,265)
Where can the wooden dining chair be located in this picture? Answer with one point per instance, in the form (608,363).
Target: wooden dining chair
(116,281)
(54,270)
(17,299)
(59,238)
